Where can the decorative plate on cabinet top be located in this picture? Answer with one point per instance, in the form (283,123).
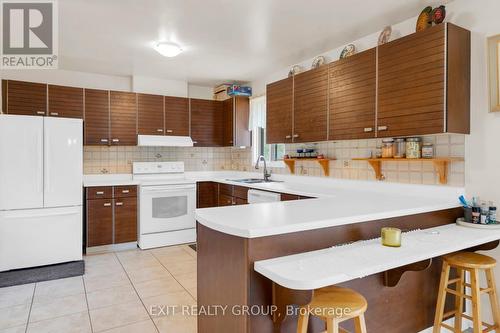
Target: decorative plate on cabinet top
(438,14)
(296,69)
(385,35)
(348,51)
(318,62)
(424,20)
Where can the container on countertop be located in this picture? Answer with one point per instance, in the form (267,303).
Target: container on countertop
(399,148)
(427,150)
(413,148)
(391,237)
(388,148)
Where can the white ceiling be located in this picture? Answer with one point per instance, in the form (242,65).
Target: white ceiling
(224,40)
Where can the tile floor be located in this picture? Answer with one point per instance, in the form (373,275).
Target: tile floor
(123,292)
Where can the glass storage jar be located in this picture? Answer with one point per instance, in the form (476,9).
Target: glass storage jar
(399,148)
(387,148)
(413,147)
(427,150)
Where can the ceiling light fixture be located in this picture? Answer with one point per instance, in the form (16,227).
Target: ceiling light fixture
(167,49)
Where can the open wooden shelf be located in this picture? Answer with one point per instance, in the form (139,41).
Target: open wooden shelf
(440,164)
(324,162)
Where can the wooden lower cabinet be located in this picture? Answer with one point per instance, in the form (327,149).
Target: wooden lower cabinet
(99,222)
(125,220)
(206,194)
(112,219)
(225,200)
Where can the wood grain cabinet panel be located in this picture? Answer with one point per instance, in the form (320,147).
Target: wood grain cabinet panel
(66,102)
(176,116)
(206,194)
(236,118)
(99,192)
(206,123)
(228,119)
(411,84)
(96,124)
(125,220)
(310,105)
(99,222)
(123,119)
(25,98)
(150,115)
(225,200)
(352,97)
(279,111)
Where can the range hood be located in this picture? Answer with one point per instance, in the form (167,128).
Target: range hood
(164,141)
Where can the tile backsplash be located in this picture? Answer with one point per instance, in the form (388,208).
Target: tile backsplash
(119,160)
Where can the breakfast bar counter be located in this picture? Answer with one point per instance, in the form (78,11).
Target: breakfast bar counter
(232,239)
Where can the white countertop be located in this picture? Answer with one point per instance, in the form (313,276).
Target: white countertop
(339,202)
(318,269)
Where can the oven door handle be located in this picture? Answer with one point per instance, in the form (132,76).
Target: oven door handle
(167,189)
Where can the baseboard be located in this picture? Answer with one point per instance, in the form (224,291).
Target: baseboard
(111,248)
(149,241)
(42,273)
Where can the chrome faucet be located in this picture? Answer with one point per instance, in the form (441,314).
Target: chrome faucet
(267,174)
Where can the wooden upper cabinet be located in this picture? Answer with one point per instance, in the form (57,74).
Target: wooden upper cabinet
(352,94)
(96,124)
(150,114)
(66,102)
(228,110)
(423,83)
(236,117)
(206,123)
(279,111)
(176,116)
(310,105)
(25,98)
(123,108)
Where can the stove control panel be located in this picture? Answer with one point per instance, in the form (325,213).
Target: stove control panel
(157,167)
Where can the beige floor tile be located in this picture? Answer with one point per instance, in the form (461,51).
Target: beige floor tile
(189,250)
(148,273)
(57,307)
(177,299)
(157,287)
(168,251)
(16,295)
(14,316)
(74,323)
(47,290)
(193,292)
(118,315)
(17,329)
(94,283)
(107,297)
(176,324)
(188,281)
(146,326)
(106,258)
(139,263)
(178,258)
(133,254)
(181,267)
(103,269)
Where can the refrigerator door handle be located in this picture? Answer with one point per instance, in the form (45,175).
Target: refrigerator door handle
(46,160)
(39,154)
(39,213)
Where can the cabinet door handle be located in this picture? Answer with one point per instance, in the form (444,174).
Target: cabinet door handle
(195,141)
(231,141)
(368,129)
(119,203)
(125,191)
(295,135)
(107,204)
(288,137)
(116,140)
(159,130)
(170,131)
(40,112)
(55,114)
(99,193)
(383,128)
(104,140)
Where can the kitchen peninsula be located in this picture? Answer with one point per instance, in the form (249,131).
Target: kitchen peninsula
(234,238)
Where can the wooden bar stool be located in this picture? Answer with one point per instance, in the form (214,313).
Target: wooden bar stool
(472,263)
(334,305)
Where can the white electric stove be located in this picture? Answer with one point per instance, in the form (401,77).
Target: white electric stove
(167,202)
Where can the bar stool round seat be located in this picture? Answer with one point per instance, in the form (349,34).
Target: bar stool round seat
(470,260)
(473,264)
(335,305)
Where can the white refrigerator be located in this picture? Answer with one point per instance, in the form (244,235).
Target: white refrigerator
(40,191)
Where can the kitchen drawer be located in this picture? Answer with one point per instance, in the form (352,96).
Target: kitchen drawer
(125,191)
(226,189)
(289,197)
(225,200)
(240,192)
(101,192)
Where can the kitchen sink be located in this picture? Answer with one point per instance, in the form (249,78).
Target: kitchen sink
(254,180)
